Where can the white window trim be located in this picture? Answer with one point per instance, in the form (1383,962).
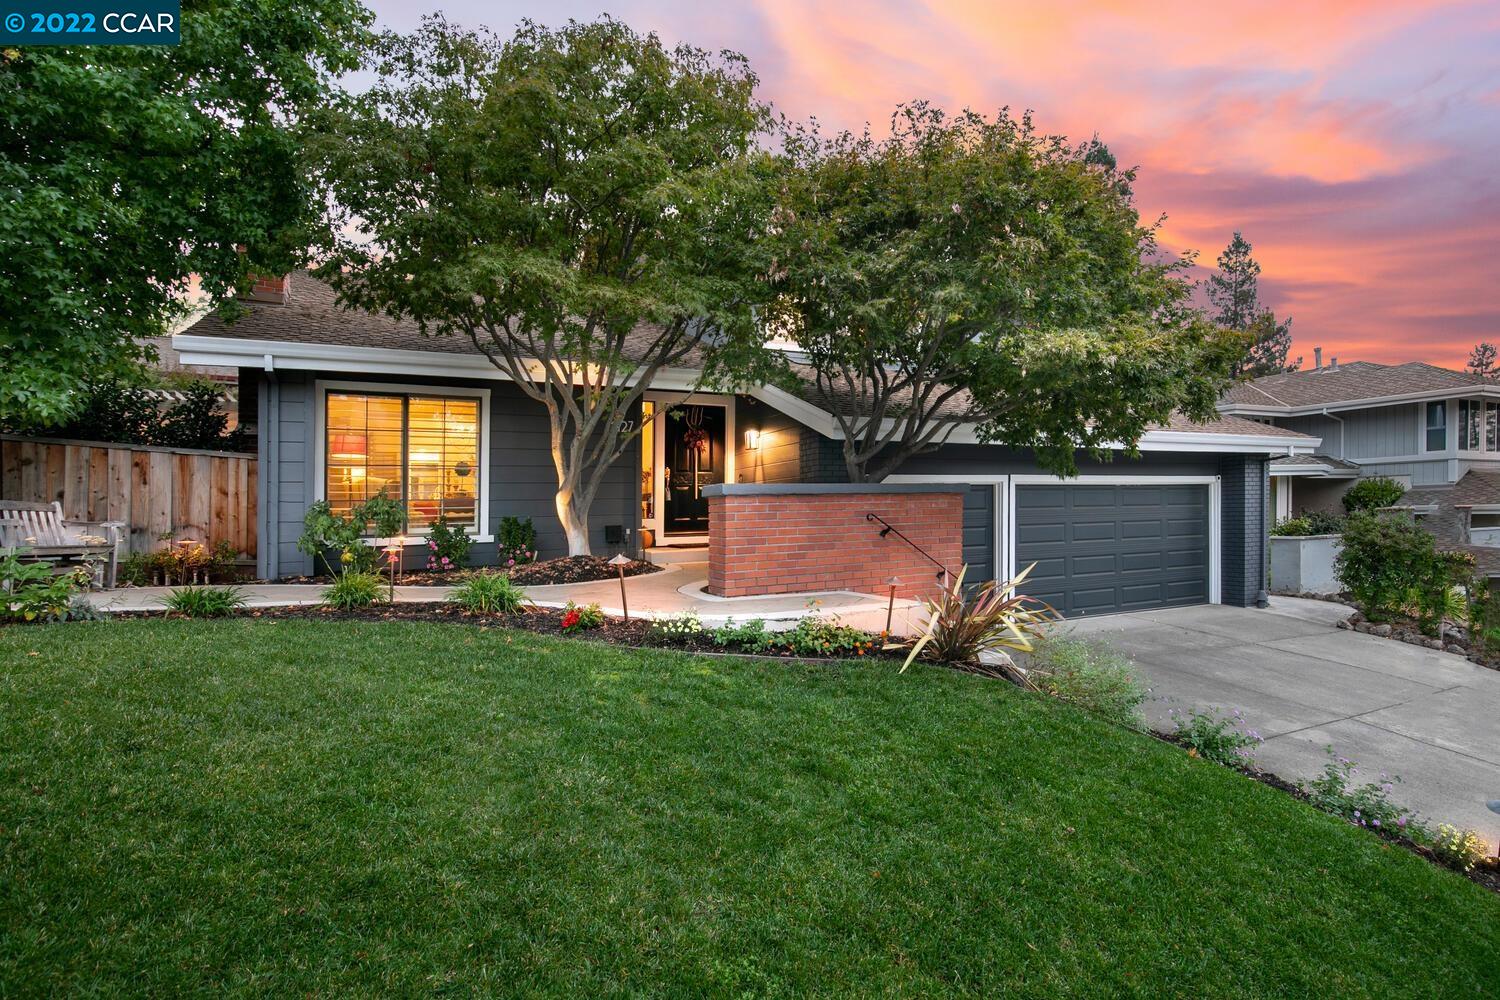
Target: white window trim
(481,532)
(1005,506)
(657,430)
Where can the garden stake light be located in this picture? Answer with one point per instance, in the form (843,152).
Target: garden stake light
(890,609)
(620,562)
(1494,806)
(393,556)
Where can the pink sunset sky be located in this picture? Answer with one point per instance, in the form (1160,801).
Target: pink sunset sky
(1356,144)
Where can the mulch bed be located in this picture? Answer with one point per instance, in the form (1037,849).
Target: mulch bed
(565,569)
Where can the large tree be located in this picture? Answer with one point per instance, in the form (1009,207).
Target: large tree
(969,271)
(1234,293)
(577,202)
(125,170)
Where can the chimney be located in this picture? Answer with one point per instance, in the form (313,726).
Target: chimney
(1317,358)
(265,288)
(1333,364)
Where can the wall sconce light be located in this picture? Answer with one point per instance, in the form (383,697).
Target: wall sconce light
(752,439)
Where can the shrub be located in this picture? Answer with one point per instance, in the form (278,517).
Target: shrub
(447,546)
(323,531)
(1320,522)
(1222,739)
(1387,561)
(677,628)
(752,635)
(517,541)
(1461,849)
(30,591)
(1372,494)
(205,602)
(819,636)
(134,571)
(353,589)
(488,593)
(962,628)
(580,618)
(1090,675)
(1292,526)
(1368,805)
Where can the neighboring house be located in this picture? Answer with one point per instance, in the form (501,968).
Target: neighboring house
(169,362)
(1434,430)
(348,402)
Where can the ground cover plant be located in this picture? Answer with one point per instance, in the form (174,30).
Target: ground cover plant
(204,602)
(281,806)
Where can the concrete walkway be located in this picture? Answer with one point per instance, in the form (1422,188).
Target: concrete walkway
(1431,718)
(676,590)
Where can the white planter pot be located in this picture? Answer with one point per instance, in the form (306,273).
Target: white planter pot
(1303,564)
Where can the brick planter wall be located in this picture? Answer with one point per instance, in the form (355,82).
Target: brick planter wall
(808,537)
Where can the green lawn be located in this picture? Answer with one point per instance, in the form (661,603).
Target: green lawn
(312,807)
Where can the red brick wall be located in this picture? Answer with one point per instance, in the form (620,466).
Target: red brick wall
(269,288)
(794,542)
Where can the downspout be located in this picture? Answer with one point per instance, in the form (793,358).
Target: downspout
(1340,422)
(270,476)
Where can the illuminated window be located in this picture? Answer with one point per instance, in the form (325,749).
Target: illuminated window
(422,450)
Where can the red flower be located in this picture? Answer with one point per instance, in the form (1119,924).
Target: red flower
(570,620)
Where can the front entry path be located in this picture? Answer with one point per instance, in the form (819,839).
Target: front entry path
(1431,718)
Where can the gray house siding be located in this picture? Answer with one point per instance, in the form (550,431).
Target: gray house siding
(1379,432)
(522,480)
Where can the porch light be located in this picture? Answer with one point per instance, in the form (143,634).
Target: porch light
(752,439)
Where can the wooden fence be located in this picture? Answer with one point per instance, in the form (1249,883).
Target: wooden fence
(207,496)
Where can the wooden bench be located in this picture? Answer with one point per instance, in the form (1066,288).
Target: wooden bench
(41,531)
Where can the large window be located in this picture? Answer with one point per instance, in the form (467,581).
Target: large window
(422,450)
(1437,427)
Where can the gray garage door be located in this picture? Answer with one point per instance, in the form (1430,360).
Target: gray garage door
(1100,549)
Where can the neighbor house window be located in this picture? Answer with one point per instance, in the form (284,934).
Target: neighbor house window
(422,450)
(1437,426)
(1491,412)
(1470,418)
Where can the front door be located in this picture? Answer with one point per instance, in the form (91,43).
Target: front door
(694,458)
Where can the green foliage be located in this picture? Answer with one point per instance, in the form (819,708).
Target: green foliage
(489,593)
(963,626)
(516,541)
(134,570)
(125,412)
(752,636)
(1090,675)
(1387,561)
(1368,805)
(1484,360)
(198,420)
(323,531)
(205,602)
(1373,494)
(447,546)
(677,628)
(1223,739)
(582,617)
(545,195)
(816,635)
(1292,526)
(1233,293)
(970,268)
(354,589)
(1460,849)
(129,169)
(1483,613)
(31,591)
(1309,522)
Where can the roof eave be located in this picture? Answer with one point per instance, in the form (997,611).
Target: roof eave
(1234,409)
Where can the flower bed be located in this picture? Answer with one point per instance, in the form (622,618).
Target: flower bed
(565,569)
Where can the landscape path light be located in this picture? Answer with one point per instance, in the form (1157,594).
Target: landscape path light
(1494,807)
(619,562)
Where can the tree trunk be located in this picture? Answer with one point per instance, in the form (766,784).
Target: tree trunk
(573,512)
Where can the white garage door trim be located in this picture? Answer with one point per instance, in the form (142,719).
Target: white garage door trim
(1212,482)
(1001,506)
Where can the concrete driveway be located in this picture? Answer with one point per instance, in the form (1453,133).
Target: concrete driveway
(1431,718)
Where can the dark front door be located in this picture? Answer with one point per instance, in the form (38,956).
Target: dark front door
(694,455)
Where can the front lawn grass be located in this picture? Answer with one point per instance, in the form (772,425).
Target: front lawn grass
(290,807)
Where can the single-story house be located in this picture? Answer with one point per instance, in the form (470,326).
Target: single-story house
(346,402)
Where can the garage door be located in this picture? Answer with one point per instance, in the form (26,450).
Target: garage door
(1101,549)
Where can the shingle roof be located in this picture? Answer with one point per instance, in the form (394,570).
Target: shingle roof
(312,315)
(1473,488)
(1317,462)
(1346,383)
